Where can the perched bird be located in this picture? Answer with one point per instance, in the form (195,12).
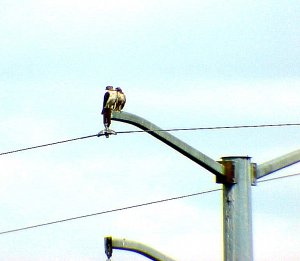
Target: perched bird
(110,98)
(109,103)
(121,99)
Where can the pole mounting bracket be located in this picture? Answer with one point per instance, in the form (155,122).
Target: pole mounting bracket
(253,174)
(229,177)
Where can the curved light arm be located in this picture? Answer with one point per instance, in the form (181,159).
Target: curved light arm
(182,147)
(111,243)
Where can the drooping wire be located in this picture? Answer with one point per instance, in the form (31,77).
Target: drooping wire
(158,130)
(132,206)
(48,144)
(216,128)
(109,211)
(282,177)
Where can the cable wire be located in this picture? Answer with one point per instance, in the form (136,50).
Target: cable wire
(109,211)
(132,206)
(48,144)
(282,177)
(217,128)
(158,130)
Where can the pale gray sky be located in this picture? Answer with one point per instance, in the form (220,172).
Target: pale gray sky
(181,64)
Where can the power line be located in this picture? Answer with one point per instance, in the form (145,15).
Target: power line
(109,211)
(133,206)
(217,128)
(282,177)
(48,144)
(158,130)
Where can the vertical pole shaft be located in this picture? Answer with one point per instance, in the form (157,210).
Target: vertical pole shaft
(237,214)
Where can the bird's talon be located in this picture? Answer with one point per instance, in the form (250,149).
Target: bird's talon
(106,133)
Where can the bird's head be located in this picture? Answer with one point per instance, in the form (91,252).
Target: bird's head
(118,89)
(109,88)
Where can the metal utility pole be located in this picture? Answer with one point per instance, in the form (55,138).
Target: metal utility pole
(237,215)
(237,174)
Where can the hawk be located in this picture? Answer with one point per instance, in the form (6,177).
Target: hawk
(109,103)
(121,99)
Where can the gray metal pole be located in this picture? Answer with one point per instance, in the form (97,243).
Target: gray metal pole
(237,174)
(237,214)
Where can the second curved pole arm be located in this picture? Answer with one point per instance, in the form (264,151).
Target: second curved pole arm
(278,163)
(111,243)
(182,147)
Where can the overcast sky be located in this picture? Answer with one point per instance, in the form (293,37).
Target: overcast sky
(181,64)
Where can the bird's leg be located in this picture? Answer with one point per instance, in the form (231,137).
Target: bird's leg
(106,131)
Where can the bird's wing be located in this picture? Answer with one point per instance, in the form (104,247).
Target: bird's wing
(119,98)
(106,97)
(123,101)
